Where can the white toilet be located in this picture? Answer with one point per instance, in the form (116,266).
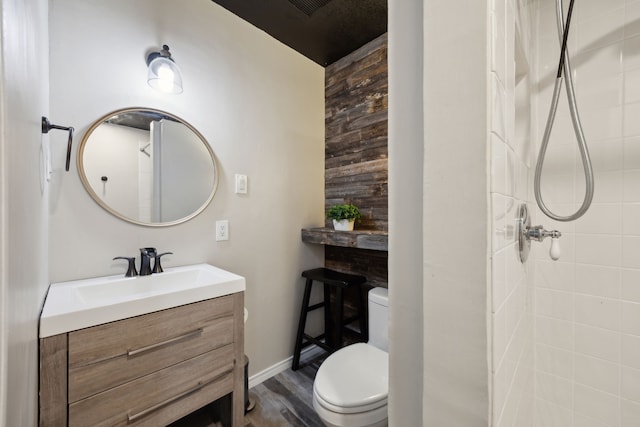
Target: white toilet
(351,386)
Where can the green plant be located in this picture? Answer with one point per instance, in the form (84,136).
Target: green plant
(349,212)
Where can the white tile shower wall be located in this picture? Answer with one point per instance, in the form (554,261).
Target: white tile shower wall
(510,147)
(587,305)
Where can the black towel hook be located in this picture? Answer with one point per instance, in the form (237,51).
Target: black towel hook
(47,126)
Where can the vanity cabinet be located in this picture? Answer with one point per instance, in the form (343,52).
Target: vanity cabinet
(148,370)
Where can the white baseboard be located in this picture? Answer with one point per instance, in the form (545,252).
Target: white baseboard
(308,353)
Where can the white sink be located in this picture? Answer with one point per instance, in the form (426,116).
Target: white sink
(82,303)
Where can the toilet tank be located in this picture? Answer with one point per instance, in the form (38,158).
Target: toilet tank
(378,318)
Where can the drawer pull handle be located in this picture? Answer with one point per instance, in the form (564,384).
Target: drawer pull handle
(141,350)
(170,400)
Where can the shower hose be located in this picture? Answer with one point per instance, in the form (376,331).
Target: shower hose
(564,64)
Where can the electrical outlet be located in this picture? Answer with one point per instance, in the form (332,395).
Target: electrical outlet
(222,230)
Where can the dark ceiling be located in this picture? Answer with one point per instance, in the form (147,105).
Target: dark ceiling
(322,30)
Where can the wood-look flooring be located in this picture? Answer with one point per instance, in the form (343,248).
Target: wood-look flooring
(284,400)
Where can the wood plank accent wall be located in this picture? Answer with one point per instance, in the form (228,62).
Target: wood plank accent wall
(356,133)
(356,171)
(370,264)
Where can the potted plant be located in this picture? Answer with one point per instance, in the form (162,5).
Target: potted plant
(344,216)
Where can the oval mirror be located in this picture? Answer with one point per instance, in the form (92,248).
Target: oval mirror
(147,167)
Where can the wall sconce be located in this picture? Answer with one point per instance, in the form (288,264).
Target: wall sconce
(163,73)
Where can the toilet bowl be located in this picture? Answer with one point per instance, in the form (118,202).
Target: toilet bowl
(352,385)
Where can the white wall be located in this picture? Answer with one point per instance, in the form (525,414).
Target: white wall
(258,103)
(405,60)
(588,303)
(23,205)
(511,151)
(477,337)
(442,77)
(455,193)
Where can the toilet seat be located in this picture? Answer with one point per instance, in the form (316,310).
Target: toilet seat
(354,379)
(349,410)
(372,418)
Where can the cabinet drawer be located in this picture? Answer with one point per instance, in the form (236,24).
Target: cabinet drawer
(161,397)
(109,355)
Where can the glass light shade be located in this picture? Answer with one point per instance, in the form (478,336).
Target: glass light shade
(164,75)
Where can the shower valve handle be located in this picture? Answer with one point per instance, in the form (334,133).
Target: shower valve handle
(554,251)
(539,234)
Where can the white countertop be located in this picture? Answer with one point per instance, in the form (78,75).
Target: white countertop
(83,303)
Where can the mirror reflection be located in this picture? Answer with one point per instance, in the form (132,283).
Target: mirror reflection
(147,166)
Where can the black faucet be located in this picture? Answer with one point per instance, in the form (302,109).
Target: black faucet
(146,254)
(157,267)
(131,271)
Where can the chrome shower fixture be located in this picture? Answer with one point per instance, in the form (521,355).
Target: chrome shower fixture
(565,65)
(525,233)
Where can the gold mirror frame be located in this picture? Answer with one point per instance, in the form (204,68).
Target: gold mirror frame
(96,198)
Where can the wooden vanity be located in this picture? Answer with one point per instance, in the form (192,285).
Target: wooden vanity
(148,370)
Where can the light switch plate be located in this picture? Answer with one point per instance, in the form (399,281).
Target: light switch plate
(241,184)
